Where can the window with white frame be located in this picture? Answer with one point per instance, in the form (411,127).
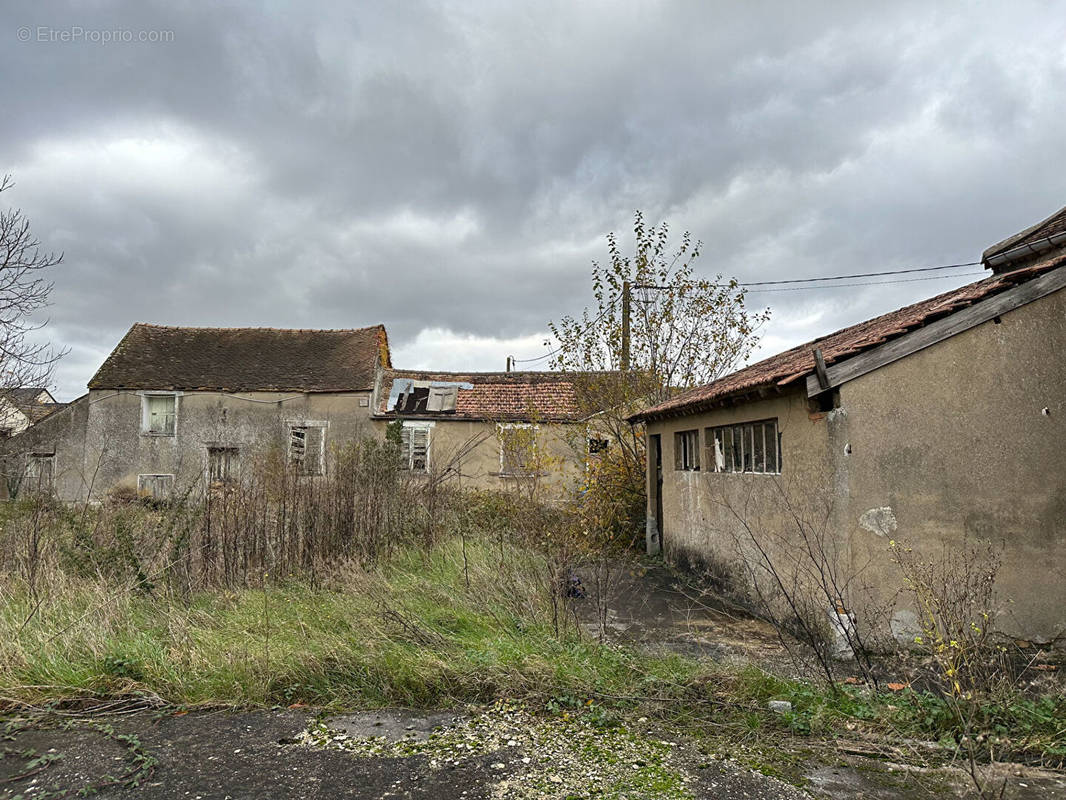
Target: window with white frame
(687,451)
(414,446)
(518,449)
(157,487)
(159,414)
(307,448)
(747,447)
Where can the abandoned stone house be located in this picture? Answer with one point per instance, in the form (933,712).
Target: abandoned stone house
(936,425)
(487,429)
(173,410)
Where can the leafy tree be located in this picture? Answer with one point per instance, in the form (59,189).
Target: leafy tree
(682,331)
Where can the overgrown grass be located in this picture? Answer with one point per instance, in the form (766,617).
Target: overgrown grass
(424,629)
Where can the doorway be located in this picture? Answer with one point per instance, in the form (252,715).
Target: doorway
(655,530)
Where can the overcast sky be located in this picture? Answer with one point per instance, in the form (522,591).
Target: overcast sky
(451,169)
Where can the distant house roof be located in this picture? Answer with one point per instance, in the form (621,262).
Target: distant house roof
(787,368)
(26,395)
(244,359)
(1026,244)
(27,399)
(502,396)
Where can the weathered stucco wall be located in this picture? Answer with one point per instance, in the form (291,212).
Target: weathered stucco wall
(711,521)
(473,446)
(99,443)
(955,441)
(961,441)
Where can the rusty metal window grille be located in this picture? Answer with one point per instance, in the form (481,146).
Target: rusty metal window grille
(749,447)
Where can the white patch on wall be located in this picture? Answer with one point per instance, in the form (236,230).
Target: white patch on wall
(904,626)
(878,520)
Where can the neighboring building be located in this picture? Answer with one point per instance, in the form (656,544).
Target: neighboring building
(488,430)
(941,422)
(173,410)
(24,406)
(172,407)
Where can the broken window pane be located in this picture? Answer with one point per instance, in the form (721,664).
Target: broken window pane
(751,447)
(687,450)
(771,447)
(758,449)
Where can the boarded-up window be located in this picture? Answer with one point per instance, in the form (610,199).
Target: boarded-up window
(307,448)
(222,464)
(687,450)
(160,414)
(158,487)
(40,473)
(751,447)
(518,449)
(414,446)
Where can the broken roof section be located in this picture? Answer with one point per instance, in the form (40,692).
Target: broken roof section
(787,368)
(499,396)
(245,359)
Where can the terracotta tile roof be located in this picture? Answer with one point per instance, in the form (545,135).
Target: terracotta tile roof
(244,359)
(515,396)
(790,366)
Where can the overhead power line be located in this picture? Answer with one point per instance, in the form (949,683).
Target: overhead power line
(820,280)
(865,283)
(863,274)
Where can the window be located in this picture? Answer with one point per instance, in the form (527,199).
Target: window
(222,464)
(750,447)
(598,445)
(687,450)
(158,487)
(518,450)
(159,414)
(307,448)
(40,472)
(414,446)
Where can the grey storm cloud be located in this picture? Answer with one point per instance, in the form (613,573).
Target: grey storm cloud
(451,169)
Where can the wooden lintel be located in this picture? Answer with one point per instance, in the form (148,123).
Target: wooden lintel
(937,331)
(819,369)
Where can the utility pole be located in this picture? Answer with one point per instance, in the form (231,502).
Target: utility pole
(626,291)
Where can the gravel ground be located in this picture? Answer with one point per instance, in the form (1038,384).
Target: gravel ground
(503,752)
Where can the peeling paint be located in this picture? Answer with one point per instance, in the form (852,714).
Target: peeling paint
(878,520)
